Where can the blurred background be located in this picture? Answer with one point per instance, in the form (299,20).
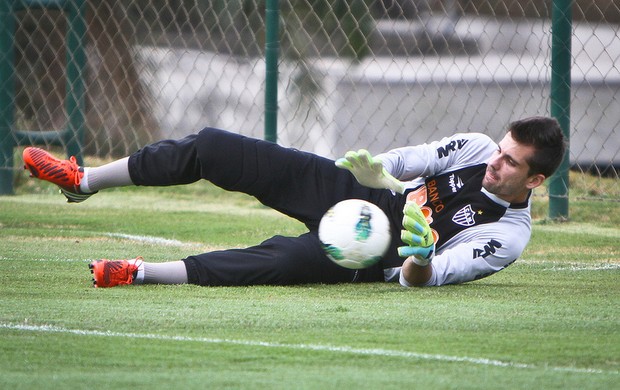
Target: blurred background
(352,74)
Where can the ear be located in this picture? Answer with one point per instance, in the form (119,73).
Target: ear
(535,181)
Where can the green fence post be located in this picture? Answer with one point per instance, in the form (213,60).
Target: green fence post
(271,73)
(72,136)
(560,100)
(7,25)
(75,72)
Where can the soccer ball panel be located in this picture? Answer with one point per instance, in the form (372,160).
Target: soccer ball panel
(355,233)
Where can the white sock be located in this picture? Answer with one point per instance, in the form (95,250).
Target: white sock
(114,174)
(139,279)
(84,187)
(172,272)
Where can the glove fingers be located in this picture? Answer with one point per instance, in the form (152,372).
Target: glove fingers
(351,158)
(354,159)
(364,158)
(406,251)
(409,238)
(360,159)
(364,155)
(423,238)
(350,155)
(347,161)
(413,211)
(412,225)
(368,171)
(343,164)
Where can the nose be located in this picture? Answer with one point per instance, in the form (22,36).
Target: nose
(494,161)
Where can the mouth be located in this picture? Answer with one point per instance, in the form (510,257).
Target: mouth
(490,176)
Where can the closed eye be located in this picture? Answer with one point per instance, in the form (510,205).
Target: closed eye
(509,160)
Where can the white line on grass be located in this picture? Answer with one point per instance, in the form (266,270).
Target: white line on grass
(582,267)
(312,347)
(151,239)
(57,260)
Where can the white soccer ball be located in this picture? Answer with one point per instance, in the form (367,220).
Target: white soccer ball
(355,233)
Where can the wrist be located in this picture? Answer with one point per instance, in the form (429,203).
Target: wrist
(415,275)
(420,261)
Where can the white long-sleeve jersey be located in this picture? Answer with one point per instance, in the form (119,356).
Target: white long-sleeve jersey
(476,233)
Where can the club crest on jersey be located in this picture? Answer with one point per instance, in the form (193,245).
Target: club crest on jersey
(465,217)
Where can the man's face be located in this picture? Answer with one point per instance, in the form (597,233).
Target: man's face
(507,171)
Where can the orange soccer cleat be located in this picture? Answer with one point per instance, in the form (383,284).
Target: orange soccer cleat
(110,273)
(66,174)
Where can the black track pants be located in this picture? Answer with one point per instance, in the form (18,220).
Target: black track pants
(298,184)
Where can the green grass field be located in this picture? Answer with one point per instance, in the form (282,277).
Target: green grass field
(550,321)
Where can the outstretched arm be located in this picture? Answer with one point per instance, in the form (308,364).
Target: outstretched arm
(369,171)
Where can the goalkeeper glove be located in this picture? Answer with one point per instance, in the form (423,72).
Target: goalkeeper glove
(369,171)
(417,235)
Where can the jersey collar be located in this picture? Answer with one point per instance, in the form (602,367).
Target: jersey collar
(504,203)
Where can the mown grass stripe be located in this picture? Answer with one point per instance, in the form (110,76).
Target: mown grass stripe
(311,347)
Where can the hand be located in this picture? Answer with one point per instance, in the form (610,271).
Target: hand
(417,235)
(369,171)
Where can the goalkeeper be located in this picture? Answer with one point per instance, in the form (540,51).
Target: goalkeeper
(461,204)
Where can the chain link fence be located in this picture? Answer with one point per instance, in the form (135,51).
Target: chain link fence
(352,74)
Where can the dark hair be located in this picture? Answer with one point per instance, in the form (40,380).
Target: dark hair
(546,136)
